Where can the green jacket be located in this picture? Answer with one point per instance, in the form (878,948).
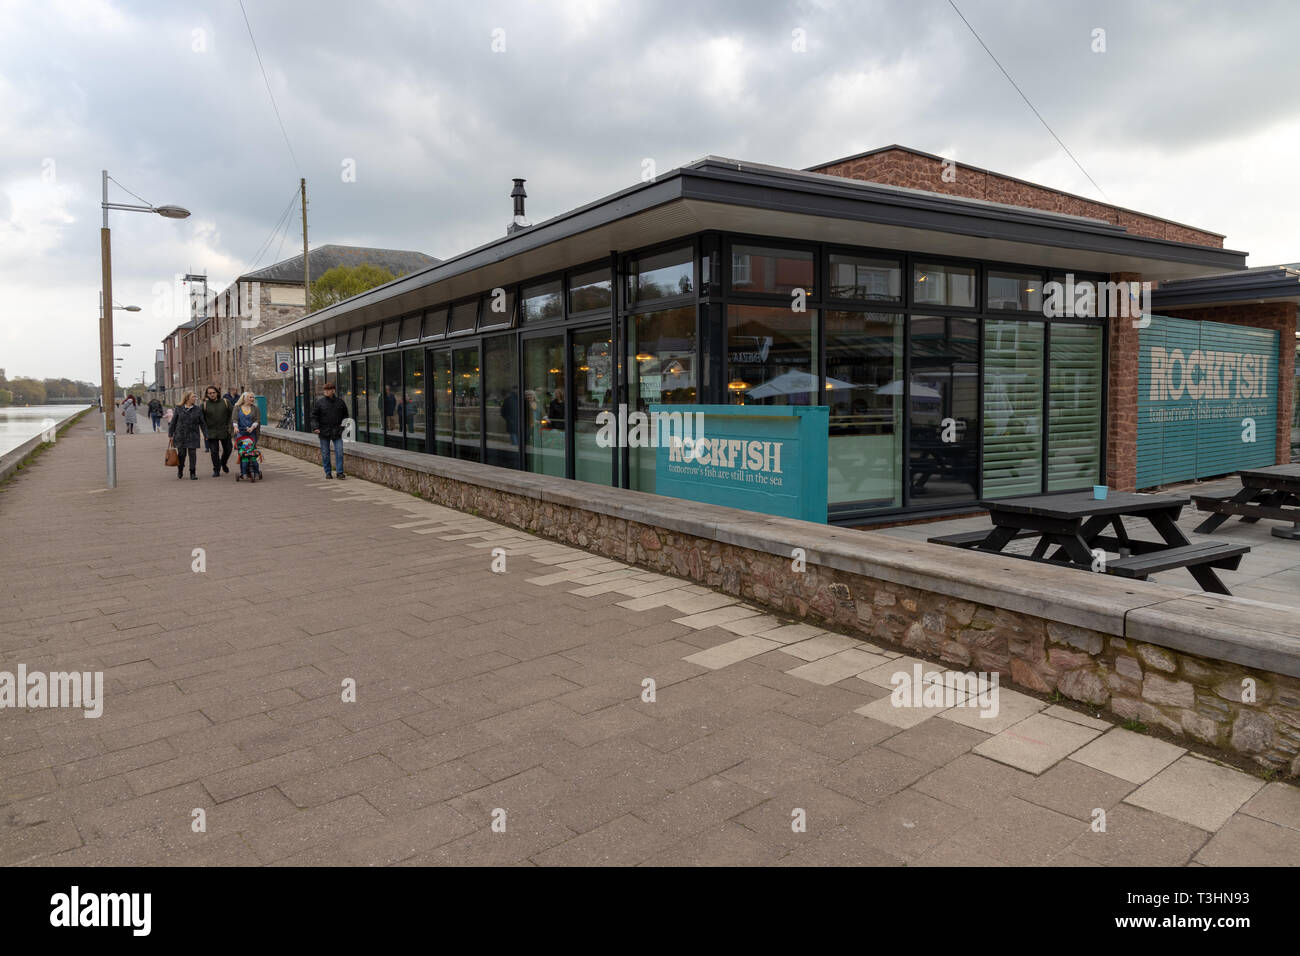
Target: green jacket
(216,416)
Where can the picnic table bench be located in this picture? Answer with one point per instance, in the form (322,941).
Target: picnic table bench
(1272,492)
(1077,525)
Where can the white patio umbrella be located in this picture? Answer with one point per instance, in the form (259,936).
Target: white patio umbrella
(793,382)
(918,390)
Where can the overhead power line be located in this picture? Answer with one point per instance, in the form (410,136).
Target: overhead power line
(1026,99)
(268,88)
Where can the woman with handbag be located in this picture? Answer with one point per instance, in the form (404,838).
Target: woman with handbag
(187,431)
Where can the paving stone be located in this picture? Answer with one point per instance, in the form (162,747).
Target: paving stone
(1036,742)
(1012,707)
(836,667)
(1138,837)
(1074,789)
(814,648)
(1065,713)
(875,774)
(722,655)
(1196,791)
(973,782)
(1277,803)
(1129,756)
(1251,841)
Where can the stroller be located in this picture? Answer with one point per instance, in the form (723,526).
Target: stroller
(250,459)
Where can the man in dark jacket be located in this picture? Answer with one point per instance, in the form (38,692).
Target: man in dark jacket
(216,417)
(155,412)
(327,415)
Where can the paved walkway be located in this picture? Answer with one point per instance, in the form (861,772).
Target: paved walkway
(515,698)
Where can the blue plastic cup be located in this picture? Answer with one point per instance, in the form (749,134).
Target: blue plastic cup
(1099,492)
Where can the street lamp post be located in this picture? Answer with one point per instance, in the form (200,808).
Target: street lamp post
(106,320)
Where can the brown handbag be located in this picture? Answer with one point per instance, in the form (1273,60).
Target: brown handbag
(171,459)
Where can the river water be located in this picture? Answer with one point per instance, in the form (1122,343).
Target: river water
(19,423)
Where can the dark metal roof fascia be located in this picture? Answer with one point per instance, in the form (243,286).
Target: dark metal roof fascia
(1276,284)
(943,214)
(628,202)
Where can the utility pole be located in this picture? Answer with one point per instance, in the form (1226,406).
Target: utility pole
(306,272)
(306,291)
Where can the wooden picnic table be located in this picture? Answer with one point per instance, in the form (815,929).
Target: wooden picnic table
(1077,524)
(1272,492)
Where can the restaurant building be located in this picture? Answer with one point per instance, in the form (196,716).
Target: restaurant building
(916,311)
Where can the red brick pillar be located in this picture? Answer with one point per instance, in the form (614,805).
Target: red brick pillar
(1286,326)
(1121,395)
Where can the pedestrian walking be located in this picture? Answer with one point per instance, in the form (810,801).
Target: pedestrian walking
(232,397)
(327,415)
(248,424)
(155,412)
(217,416)
(128,414)
(186,430)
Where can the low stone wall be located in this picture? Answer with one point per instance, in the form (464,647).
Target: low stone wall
(1218,670)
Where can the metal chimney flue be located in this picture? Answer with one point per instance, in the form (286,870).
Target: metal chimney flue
(518,195)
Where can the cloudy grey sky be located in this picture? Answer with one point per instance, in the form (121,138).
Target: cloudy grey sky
(1190,113)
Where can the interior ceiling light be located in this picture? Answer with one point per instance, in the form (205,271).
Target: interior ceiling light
(738,386)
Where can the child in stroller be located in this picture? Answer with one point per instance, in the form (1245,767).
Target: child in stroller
(249,459)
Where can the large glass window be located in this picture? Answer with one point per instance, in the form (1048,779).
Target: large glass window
(392,399)
(661,275)
(435,324)
(343,385)
(501,408)
(944,407)
(464,315)
(410,413)
(497,310)
(359,399)
(771,356)
(467,399)
(772,270)
(542,302)
(859,277)
(592,358)
(864,389)
(934,284)
(443,402)
(1022,291)
(410,329)
(661,355)
(374,403)
(1013,408)
(590,290)
(371,339)
(1074,404)
(388,334)
(544,405)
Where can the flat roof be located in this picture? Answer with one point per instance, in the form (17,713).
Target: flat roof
(730,195)
(1255,285)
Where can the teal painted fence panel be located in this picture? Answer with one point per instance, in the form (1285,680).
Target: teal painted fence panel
(1200,384)
(766,458)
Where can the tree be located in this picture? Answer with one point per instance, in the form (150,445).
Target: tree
(6,397)
(27,391)
(343,282)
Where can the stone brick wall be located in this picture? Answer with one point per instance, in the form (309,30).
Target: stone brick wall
(1186,695)
(900,167)
(1280,317)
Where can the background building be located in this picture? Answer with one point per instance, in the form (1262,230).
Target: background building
(216,345)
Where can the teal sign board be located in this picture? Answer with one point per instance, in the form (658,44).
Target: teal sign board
(1207,400)
(771,459)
